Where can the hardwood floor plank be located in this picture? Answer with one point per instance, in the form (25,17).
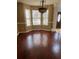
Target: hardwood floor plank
(39,45)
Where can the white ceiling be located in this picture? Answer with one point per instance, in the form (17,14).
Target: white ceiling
(37,2)
(57,3)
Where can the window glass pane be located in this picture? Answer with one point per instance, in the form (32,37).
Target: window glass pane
(28,17)
(59,18)
(45,15)
(36,22)
(36,17)
(27,13)
(45,18)
(45,21)
(28,22)
(36,14)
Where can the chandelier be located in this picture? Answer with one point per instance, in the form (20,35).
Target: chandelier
(42,9)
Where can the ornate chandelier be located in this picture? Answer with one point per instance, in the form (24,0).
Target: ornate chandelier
(42,9)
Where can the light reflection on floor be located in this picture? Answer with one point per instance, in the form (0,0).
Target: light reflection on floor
(56,45)
(56,48)
(37,40)
(29,42)
(57,36)
(44,40)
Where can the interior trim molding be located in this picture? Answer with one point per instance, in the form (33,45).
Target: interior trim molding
(55,30)
(33,30)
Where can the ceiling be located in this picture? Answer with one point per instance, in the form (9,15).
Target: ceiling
(37,2)
(56,3)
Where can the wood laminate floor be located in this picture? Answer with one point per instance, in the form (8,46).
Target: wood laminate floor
(39,45)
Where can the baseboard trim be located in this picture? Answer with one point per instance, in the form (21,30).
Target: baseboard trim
(33,30)
(55,30)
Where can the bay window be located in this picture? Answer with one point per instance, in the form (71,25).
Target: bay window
(36,18)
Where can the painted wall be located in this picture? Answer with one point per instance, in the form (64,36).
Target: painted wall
(20,18)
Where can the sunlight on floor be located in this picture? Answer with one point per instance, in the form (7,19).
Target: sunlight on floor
(57,36)
(29,41)
(56,48)
(37,40)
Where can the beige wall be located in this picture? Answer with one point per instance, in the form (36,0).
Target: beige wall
(21,18)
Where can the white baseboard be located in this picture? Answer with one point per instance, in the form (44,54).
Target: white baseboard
(56,30)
